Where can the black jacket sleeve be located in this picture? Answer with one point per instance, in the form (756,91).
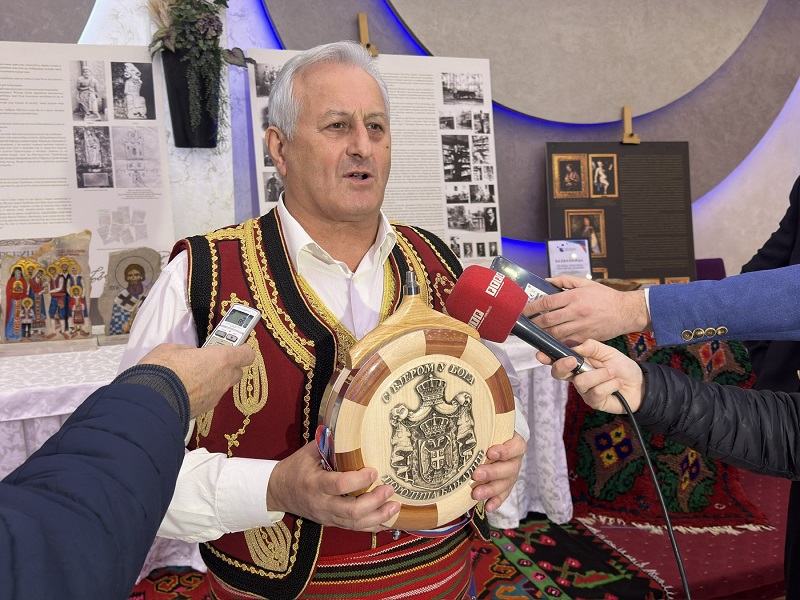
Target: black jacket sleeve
(757,430)
(78,517)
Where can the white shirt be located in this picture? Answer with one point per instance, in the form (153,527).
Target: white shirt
(215,494)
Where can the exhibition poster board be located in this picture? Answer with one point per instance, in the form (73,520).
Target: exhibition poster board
(82,147)
(631,202)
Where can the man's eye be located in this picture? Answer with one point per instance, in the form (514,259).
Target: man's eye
(337,125)
(375,126)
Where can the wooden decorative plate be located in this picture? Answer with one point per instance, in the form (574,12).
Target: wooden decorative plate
(422,409)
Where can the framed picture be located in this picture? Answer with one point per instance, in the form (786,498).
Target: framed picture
(676,280)
(569,257)
(569,175)
(599,273)
(603,171)
(589,224)
(647,282)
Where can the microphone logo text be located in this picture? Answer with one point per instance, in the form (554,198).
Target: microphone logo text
(476,319)
(495,284)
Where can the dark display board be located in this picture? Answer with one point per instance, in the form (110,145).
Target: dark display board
(632,202)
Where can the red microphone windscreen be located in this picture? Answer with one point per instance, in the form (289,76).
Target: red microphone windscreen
(488,301)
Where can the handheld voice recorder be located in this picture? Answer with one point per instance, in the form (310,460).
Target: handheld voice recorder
(235,326)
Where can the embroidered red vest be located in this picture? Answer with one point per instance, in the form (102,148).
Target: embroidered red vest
(273,411)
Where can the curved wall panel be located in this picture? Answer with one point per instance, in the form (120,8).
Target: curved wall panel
(580,61)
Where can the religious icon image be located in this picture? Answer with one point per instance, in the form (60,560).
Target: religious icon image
(131,273)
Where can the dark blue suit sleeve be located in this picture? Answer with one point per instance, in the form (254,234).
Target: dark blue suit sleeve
(78,517)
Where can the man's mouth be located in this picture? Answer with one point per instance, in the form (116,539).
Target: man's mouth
(361,176)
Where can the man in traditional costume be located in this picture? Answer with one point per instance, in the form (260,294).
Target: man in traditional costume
(324,267)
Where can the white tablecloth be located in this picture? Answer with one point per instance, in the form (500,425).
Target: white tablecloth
(39,392)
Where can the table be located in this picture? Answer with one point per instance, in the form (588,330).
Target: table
(39,392)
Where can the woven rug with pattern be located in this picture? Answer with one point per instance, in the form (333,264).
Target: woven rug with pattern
(538,560)
(608,477)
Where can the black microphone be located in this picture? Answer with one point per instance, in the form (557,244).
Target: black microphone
(492,303)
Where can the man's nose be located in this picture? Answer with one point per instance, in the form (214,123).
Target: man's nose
(360,143)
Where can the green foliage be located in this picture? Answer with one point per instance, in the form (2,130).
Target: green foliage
(193,28)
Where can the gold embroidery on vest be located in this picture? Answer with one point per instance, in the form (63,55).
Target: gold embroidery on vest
(415,264)
(269,546)
(295,541)
(266,297)
(250,394)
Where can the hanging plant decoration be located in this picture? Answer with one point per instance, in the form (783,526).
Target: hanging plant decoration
(188,36)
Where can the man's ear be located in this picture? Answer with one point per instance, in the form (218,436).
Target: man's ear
(276,146)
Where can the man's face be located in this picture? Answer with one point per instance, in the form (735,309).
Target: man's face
(336,167)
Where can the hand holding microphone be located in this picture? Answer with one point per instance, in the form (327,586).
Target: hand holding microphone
(492,303)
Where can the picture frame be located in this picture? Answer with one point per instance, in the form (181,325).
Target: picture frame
(569,173)
(569,257)
(603,173)
(588,223)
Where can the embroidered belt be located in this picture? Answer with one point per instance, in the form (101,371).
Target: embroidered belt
(422,568)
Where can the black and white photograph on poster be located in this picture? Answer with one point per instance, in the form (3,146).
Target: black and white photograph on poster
(604,175)
(93,157)
(273,186)
(137,163)
(462,88)
(480,122)
(261,120)
(265,78)
(455,155)
(457,193)
(467,249)
(464,120)
(467,218)
(132,90)
(481,193)
(481,152)
(589,224)
(90,96)
(487,173)
(490,218)
(480,249)
(492,248)
(447,120)
(455,245)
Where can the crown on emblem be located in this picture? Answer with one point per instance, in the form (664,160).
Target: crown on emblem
(431,390)
(434,426)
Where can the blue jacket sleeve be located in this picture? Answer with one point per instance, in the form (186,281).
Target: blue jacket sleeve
(761,305)
(78,517)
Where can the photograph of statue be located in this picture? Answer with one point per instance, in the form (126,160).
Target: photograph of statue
(89,96)
(132,89)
